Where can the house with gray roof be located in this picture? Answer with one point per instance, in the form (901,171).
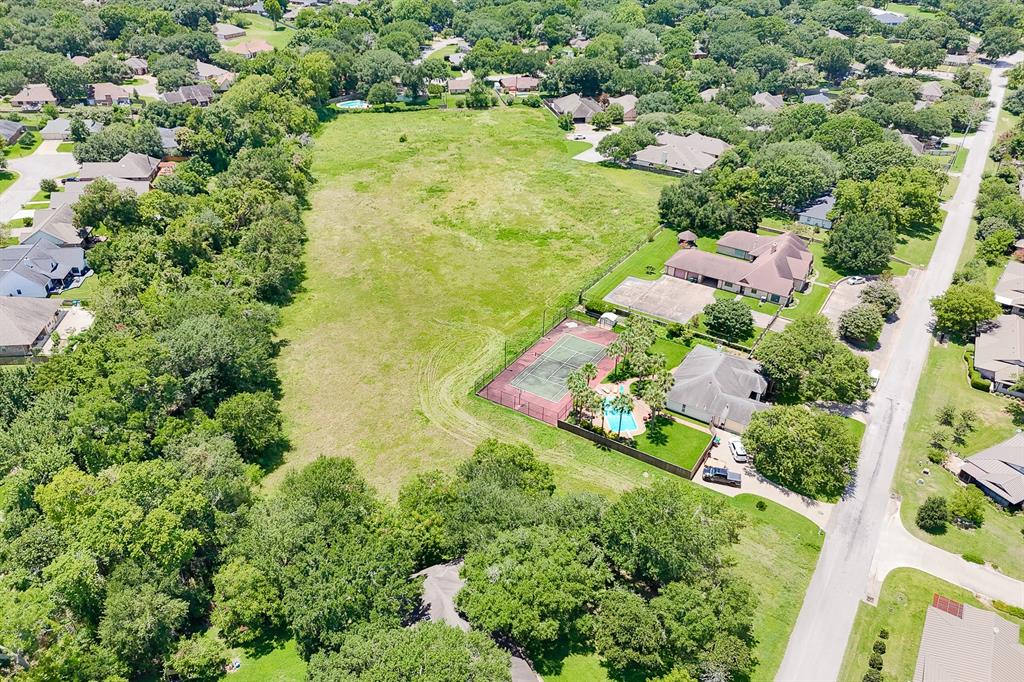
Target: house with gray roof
(930,91)
(1010,287)
(818,98)
(999,472)
(763,267)
(768,101)
(37,270)
(74,189)
(169,139)
(197,95)
(628,104)
(914,142)
(715,387)
(60,128)
(11,131)
(220,79)
(26,324)
(137,65)
(816,212)
(582,109)
(999,353)
(55,226)
(961,643)
(678,154)
(132,166)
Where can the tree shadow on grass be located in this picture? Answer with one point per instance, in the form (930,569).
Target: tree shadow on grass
(656,430)
(276,639)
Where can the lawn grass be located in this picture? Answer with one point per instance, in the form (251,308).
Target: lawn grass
(960,160)
(808,303)
(414,287)
(918,246)
(944,381)
(949,188)
(776,554)
(647,263)
(18,150)
(279,664)
(902,606)
(673,442)
(85,293)
(768,308)
(262,27)
(66,147)
(7,178)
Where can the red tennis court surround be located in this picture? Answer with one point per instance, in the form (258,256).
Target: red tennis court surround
(504,391)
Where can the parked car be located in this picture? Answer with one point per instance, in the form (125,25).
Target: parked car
(722,476)
(739,453)
(579,137)
(854,281)
(876,376)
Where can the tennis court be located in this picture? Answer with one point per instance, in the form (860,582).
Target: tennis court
(546,376)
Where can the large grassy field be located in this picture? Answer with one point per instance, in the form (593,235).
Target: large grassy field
(902,605)
(425,256)
(261,27)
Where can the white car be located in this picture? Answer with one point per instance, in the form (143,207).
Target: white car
(739,453)
(854,281)
(579,137)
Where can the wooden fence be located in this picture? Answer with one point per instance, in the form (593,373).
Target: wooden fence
(644,457)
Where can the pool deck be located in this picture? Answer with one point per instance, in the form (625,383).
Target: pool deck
(640,409)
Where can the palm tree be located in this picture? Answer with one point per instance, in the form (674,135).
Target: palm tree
(595,401)
(622,403)
(589,371)
(578,386)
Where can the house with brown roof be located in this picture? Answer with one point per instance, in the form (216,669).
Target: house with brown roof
(961,643)
(768,101)
(227,31)
(678,154)
(197,95)
(765,267)
(999,472)
(33,96)
(137,65)
(930,91)
(628,104)
(520,83)
(999,354)
(220,79)
(459,86)
(251,48)
(108,94)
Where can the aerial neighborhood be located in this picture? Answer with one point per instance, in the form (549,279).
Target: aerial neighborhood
(439,340)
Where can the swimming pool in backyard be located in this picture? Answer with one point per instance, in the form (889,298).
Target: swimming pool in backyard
(353,104)
(616,423)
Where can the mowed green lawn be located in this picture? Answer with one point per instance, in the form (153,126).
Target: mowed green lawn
(673,442)
(261,27)
(424,257)
(902,606)
(943,382)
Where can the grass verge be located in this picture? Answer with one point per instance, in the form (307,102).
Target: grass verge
(673,442)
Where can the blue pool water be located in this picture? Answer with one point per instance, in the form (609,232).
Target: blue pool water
(612,418)
(353,104)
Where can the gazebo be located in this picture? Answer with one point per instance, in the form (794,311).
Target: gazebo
(687,239)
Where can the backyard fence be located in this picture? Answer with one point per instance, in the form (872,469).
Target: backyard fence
(512,350)
(520,402)
(611,444)
(604,273)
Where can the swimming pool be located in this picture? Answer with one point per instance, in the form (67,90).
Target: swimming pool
(353,104)
(617,423)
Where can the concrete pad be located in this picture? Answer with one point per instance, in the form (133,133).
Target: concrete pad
(669,298)
(74,321)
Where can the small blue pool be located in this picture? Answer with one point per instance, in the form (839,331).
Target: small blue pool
(618,421)
(353,104)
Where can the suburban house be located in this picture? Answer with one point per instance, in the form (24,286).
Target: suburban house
(999,353)
(768,101)
(818,98)
(108,94)
(520,83)
(456,59)
(958,59)
(883,17)
(79,61)
(816,213)
(832,33)
(769,268)
(961,642)
(708,95)
(37,270)
(10,131)
(251,48)
(692,153)
(628,104)
(1010,287)
(196,95)
(137,65)
(26,324)
(582,109)
(999,472)
(132,166)
(60,128)
(32,97)
(74,189)
(459,86)
(930,91)
(54,226)
(227,31)
(169,140)
(717,388)
(221,79)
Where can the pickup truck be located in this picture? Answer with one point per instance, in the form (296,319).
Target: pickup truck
(722,476)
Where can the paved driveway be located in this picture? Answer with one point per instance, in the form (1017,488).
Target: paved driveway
(593,136)
(45,162)
(669,298)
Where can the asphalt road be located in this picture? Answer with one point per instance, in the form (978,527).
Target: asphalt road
(818,642)
(45,162)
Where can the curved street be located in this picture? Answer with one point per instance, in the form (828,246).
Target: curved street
(45,162)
